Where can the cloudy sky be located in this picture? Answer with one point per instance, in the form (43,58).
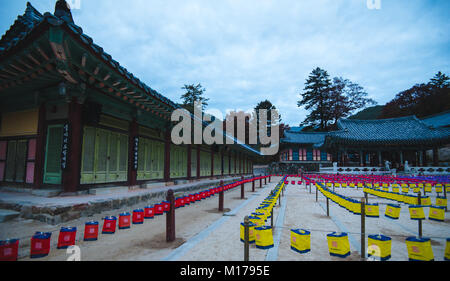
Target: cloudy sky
(246,51)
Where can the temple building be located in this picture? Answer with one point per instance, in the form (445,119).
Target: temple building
(72,117)
(366,143)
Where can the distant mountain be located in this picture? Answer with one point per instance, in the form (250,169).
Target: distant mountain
(370,113)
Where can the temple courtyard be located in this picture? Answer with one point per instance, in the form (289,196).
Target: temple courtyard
(205,234)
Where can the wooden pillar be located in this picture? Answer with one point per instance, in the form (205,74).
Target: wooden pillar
(132,134)
(198,162)
(401,157)
(380,161)
(361,160)
(235,163)
(170,217)
(363,229)
(435,156)
(40,148)
(222,160)
(229,164)
(238,163)
(167,156)
(189,161)
(420,158)
(212,162)
(424,158)
(71,175)
(242,188)
(221,195)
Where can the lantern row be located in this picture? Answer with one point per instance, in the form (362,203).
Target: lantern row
(40,241)
(259,233)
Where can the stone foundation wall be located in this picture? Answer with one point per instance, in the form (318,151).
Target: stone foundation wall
(58,214)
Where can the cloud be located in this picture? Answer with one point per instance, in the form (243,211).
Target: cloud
(246,51)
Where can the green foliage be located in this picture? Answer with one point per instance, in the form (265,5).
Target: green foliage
(421,100)
(315,98)
(194,93)
(370,113)
(329,100)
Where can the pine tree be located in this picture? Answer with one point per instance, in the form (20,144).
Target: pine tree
(316,99)
(440,80)
(194,93)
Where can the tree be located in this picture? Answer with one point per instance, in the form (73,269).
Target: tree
(267,105)
(440,80)
(346,97)
(194,93)
(421,100)
(316,99)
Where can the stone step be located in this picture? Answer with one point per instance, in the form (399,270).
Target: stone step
(46,192)
(6,215)
(108,190)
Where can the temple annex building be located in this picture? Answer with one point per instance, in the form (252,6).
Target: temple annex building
(73,118)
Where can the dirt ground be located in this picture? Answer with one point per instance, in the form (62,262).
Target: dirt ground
(204,234)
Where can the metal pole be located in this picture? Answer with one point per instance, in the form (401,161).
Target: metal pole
(253,185)
(246,238)
(221,197)
(260,182)
(420,221)
(366,197)
(363,229)
(170,217)
(265,180)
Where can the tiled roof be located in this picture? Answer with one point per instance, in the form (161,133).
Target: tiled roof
(22,26)
(303,137)
(404,130)
(439,120)
(27,23)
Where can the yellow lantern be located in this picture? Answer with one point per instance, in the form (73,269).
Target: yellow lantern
(263,237)
(393,211)
(379,246)
(416,212)
(338,244)
(300,241)
(436,213)
(419,249)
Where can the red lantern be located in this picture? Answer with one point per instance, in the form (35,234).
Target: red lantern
(138,216)
(40,244)
(166,205)
(149,212)
(9,250)
(66,237)
(109,225)
(124,220)
(159,209)
(91,231)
